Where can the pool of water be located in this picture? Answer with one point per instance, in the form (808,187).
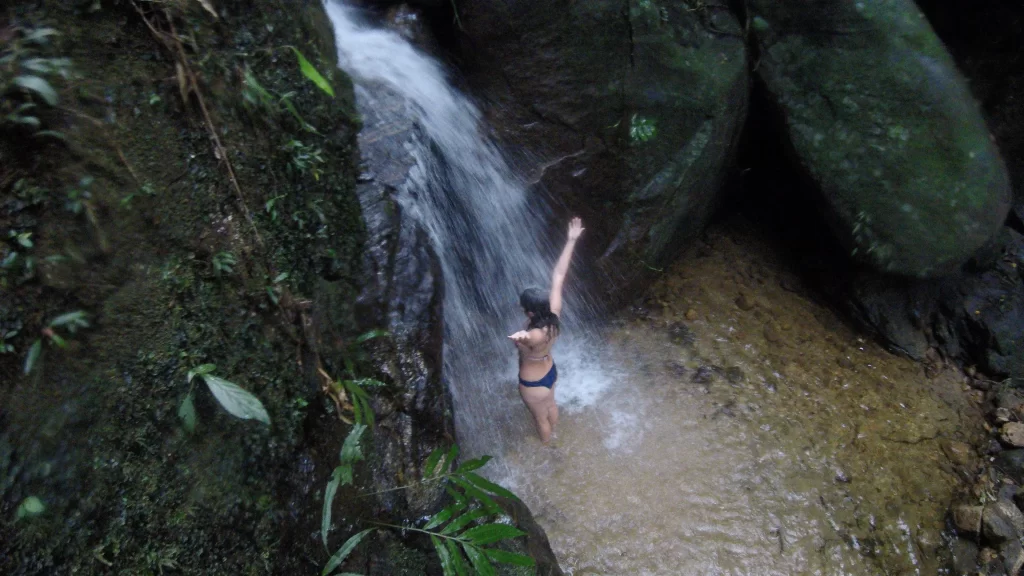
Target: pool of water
(740,427)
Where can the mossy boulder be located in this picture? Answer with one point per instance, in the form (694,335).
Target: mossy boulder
(632,109)
(883,123)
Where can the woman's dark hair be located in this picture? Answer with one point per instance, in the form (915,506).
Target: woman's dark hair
(536,302)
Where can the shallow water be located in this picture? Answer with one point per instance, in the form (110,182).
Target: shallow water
(808,450)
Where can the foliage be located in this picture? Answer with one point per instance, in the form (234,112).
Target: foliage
(78,196)
(305,159)
(350,393)
(255,95)
(641,129)
(236,400)
(224,263)
(274,290)
(351,452)
(70,322)
(26,75)
(311,73)
(359,398)
(5,337)
(146,189)
(463,531)
(29,507)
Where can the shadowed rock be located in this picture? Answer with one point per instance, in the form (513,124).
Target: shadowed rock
(633,110)
(882,122)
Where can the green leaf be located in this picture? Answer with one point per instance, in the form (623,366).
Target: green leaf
(444,554)
(33,355)
(490,486)
(457,496)
(351,451)
(58,340)
(480,562)
(38,86)
(491,533)
(345,472)
(201,370)
(73,320)
(236,400)
(41,65)
(457,561)
(464,520)
(357,410)
(344,551)
(368,411)
(295,113)
(310,72)
(354,388)
(443,516)
(329,492)
(508,557)
(51,134)
(30,507)
(477,494)
(474,464)
(187,414)
(39,35)
(378,333)
(281,277)
(430,467)
(449,459)
(26,120)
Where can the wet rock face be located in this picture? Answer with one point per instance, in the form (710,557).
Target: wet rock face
(975,316)
(403,293)
(633,109)
(885,126)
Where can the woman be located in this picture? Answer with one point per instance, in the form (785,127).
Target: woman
(537,372)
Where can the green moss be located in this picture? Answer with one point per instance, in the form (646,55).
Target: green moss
(93,432)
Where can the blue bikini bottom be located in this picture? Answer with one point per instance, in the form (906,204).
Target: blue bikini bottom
(547,381)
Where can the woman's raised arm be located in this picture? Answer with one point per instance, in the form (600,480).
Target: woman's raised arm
(562,266)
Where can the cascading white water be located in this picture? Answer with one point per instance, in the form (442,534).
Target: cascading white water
(490,236)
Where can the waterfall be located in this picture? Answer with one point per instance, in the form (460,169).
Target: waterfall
(493,238)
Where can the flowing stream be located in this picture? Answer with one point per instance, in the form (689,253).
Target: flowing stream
(733,427)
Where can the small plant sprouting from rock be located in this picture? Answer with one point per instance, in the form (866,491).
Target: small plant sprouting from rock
(224,263)
(78,197)
(254,94)
(305,158)
(146,189)
(350,394)
(311,73)
(641,129)
(236,400)
(70,322)
(351,452)
(275,289)
(27,72)
(30,507)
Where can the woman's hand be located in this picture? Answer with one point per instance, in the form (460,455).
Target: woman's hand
(575,229)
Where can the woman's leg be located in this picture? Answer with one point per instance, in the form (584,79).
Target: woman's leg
(538,400)
(553,409)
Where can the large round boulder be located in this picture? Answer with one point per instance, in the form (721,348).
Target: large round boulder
(631,111)
(881,120)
